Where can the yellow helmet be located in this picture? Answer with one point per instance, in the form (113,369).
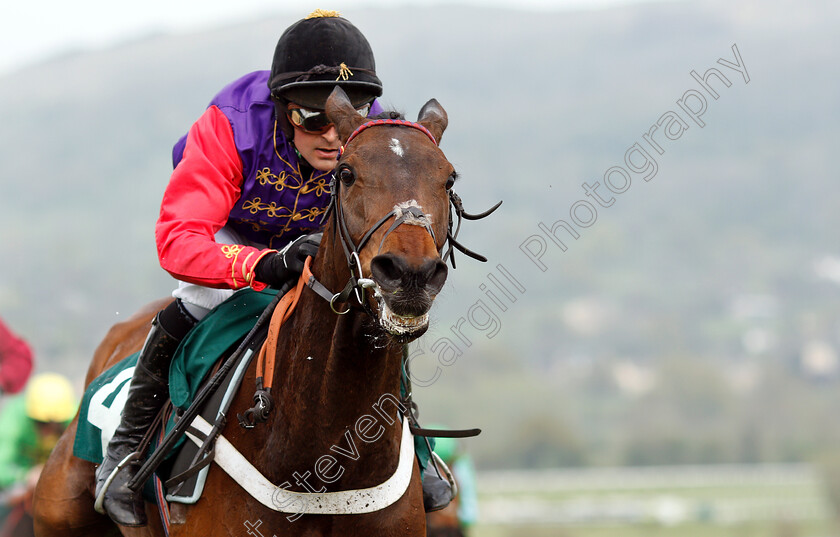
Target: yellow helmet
(50,397)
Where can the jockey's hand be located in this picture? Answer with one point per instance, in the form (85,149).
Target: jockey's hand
(276,269)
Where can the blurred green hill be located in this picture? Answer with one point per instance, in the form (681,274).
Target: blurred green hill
(695,320)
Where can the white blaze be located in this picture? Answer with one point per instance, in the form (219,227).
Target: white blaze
(396,147)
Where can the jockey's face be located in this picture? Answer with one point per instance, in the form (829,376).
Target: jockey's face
(320,149)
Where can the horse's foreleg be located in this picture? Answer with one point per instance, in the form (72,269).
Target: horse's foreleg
(62,504)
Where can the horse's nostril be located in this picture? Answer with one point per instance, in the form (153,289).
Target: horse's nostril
(387,270)
(435,271)
(392,272)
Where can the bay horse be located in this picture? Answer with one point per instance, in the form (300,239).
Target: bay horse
(390,219)
(445,522)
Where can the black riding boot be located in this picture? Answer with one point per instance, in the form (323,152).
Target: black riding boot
(146,396)
(437,492)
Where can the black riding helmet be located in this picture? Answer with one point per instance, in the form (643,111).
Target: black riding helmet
(316,54)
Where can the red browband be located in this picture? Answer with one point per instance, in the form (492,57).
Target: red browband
(398,122)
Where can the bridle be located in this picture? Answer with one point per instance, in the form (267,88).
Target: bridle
(357,283)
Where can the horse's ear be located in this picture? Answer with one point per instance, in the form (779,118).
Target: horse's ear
(341,112)
(433,117)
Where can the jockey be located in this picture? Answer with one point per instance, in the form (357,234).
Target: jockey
(242,209)
(15,361)
(31,425)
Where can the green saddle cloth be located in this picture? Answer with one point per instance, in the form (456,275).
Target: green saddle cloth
(217,333)
(223,327)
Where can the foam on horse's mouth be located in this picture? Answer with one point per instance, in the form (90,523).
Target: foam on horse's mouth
(400,325)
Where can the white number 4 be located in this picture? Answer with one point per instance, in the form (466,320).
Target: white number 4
(107,418)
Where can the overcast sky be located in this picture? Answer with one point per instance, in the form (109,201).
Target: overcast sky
(31,30)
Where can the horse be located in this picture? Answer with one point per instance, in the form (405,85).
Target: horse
(334,425)
(445,522)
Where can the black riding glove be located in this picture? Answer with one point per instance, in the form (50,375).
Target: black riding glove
(278,268)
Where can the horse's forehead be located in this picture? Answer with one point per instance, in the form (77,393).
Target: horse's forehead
(400,146)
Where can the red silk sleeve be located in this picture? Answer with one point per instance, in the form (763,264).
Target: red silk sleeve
(15,361)
(203,189)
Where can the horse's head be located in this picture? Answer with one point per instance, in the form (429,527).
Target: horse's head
(391,202)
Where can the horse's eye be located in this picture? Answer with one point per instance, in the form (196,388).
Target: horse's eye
(450,181)
(346,176)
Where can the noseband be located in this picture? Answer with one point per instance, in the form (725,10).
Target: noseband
(404,213)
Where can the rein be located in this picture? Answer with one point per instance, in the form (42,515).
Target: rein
(265,360)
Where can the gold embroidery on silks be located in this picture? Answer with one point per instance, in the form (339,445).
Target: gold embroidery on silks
(256,205)
(279,182)
(249,275)
(310,214)
(320,187)
(273,239)
(231,251)
(272,210)
(320,184)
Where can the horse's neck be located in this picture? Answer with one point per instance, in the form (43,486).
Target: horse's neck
(330,375)
(335,368)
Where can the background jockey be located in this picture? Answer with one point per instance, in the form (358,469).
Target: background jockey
(459,516)
(242,208)
(15,361)
(31,424)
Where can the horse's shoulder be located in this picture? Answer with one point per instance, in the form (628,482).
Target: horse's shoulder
(124,338)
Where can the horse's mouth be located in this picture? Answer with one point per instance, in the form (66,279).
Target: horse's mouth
(402,325)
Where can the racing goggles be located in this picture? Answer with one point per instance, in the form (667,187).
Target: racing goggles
(316,122)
